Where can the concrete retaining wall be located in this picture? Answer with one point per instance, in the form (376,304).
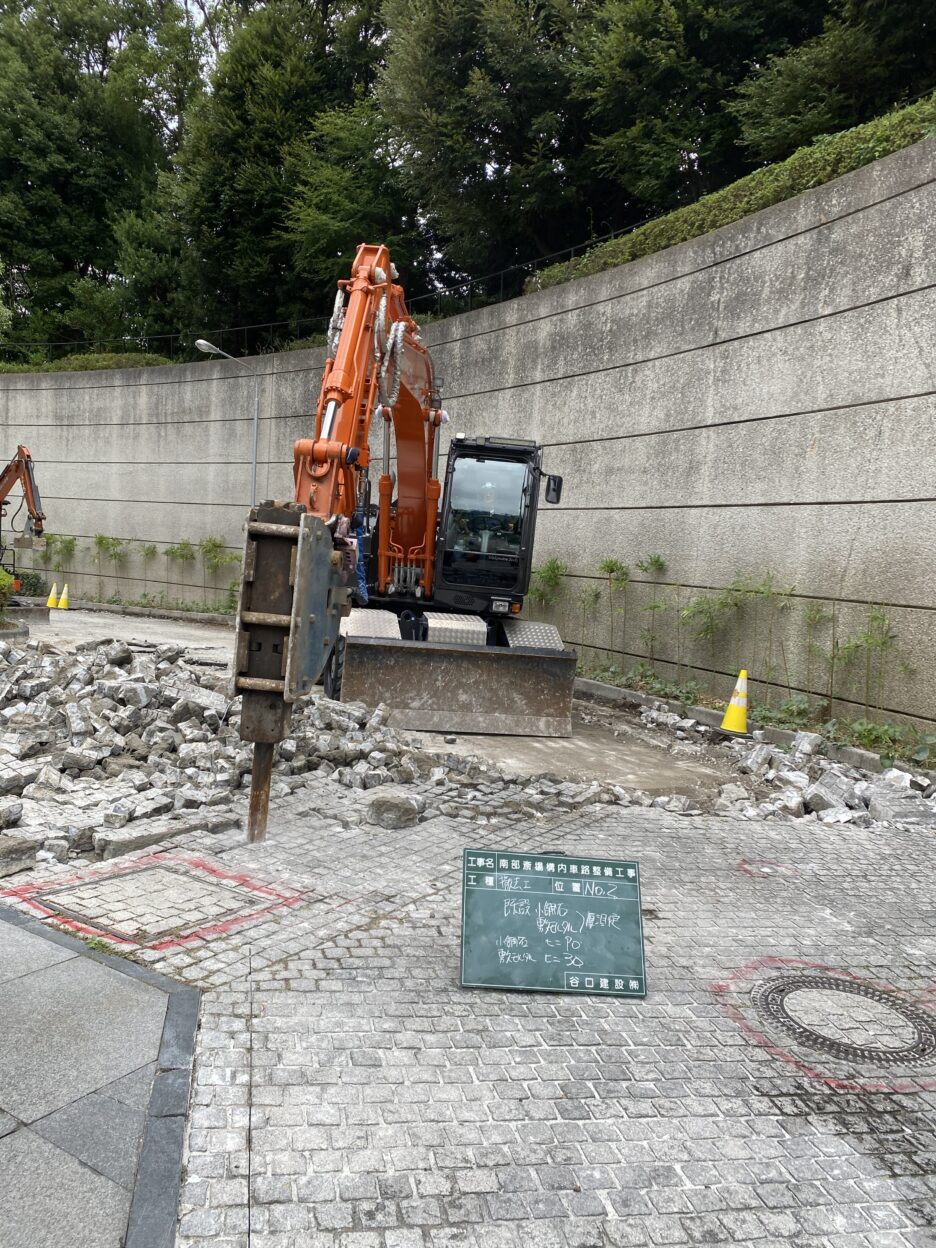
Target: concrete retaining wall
(758,402)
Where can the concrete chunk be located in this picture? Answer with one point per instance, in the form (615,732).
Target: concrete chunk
(393,811)
(112,842)
(17,853)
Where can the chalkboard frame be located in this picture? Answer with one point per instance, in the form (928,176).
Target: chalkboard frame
(520,855)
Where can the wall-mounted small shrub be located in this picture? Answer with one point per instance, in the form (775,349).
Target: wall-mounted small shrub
(546,582)
(618,575)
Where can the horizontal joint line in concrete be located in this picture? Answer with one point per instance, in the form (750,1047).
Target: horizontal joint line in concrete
(157,381)
(145,502)
(809,502)
(752,680)
(678,277)
(130,425)
(741,420)
(702,346)
(143,541)
(833,598)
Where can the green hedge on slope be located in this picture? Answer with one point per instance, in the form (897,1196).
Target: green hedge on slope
(81,363)
(823,160)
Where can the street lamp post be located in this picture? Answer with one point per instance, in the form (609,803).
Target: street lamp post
(210,349)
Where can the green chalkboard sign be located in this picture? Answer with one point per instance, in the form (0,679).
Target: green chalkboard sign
(551,923)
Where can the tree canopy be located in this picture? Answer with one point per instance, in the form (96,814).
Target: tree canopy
(169,168)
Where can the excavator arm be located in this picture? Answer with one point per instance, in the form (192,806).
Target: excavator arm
(300,556)
(20,468)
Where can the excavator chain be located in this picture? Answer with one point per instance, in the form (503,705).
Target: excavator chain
(292,598)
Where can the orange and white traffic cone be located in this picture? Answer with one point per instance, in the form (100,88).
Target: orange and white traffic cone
(52,600)
(735,720)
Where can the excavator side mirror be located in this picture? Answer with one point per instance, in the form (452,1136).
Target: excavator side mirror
(553,489)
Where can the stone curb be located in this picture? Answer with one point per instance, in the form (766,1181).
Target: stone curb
(152,613)
(155,1201)
(613,695)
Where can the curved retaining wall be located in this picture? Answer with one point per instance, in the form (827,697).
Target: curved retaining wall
(756,402)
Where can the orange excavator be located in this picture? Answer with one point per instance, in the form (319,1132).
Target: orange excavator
(411,600)
(20,468)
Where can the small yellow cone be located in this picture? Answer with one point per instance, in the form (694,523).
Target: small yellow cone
(63,601)
(735,720)
(52,600)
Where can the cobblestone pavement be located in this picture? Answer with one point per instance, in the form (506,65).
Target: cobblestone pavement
(776,1087)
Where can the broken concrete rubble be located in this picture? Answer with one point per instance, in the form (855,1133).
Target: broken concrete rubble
(117,746)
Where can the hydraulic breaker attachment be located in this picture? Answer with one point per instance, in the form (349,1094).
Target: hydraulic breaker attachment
(294,592)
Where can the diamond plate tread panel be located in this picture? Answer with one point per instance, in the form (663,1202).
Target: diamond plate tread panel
(533,633)
(464,630)
(363,622)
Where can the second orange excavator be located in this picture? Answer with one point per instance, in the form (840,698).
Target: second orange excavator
(411,599)
(20,468)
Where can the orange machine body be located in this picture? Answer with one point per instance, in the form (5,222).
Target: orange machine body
(377,365)
(20,468)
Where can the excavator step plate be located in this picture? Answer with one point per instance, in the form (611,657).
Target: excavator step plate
(449,687)
(533,633)
(365,622)
(466,630)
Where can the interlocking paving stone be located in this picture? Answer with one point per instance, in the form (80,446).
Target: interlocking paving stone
(151,902)
(349,1094)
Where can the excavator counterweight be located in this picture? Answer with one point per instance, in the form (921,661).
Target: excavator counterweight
(411,599)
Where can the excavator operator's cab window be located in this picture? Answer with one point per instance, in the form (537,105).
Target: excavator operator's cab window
(483,536)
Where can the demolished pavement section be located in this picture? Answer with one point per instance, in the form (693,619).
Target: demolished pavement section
(116,746)
(801,783)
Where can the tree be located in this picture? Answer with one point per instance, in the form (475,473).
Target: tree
(655,75)
(348,188)
(86,113)
(868,57)
(279,71)
(492,137)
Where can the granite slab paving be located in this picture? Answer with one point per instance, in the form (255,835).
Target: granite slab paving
(85,1038)
(777,1086)
(70,1028)
(48,1198)
(21,953)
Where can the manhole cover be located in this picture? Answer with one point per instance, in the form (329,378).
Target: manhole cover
(147,904)
(848,1019)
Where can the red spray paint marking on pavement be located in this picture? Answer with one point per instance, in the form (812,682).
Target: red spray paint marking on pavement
(738,977)
(31,895)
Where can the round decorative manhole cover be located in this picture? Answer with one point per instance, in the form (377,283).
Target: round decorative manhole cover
(848,1019)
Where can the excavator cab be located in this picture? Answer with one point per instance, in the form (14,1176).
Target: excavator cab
(487,525)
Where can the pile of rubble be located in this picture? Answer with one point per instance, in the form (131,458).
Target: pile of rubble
(801,782)
(116,746)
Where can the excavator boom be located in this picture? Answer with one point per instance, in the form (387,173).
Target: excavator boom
(20,468)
